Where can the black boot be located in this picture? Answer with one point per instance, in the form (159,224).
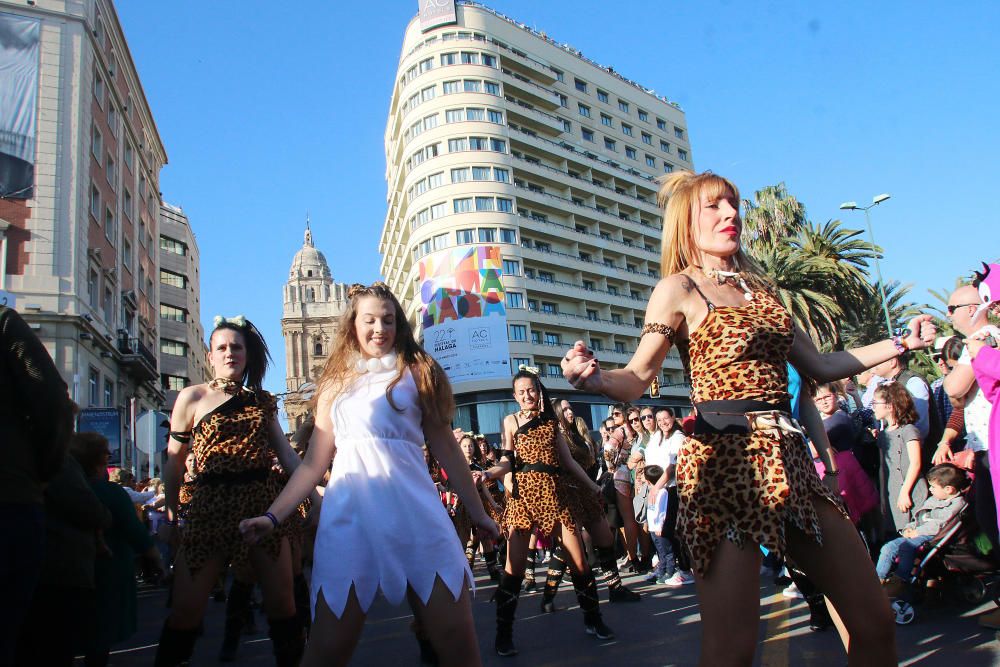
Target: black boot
(529,571)
(237,608)
(617,592)
(490,557)
(175,646)
(300,588)
(586,594)
(557,568)
(288,641)
(506,598)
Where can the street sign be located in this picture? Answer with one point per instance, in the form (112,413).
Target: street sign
(151,431)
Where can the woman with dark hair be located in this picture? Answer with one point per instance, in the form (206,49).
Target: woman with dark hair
(626,435)
(541,499)
(591,518)
(744,477)
(380,397)
(231,426)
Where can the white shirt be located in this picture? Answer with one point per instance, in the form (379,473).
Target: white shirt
(663,451)
(977,408)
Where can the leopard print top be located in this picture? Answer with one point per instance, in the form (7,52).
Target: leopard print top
(234,436)
(543,499)
(744,487)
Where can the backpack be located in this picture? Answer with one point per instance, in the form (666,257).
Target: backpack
(936,426)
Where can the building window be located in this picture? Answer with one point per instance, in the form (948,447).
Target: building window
(609,144)
(456,145)
(505,205)
(553,339)
(489,61)
(472,85)
(109,393)
(487,235)
(172,313)
(679,133)
(498,146)
(623,105)
(606,120)
(616,318)
(647,138)
(109,225)
(580,85)
(591,314)
(501,175)
(495,116)
(682,154)
(453,116)
(588,135)
(492,87)
(546,276)
(94,386)
(95,203)
(470,58)
(650,161)
(92,288)
(549,307)
(440,241)
(450,87)
(127,205)
(515,300)
(508,236)
(464,236)
(630,152)
(96,143)
(484,203)
(109,304)
(172,279)
(627,130)
(174,347)
(437,211)
(475,113)
(643,116)
(661,124)
(129,156)
(172,382)
(517,362)
(463,205)
(99,89)
(620,347)
(597,344)
(517,332)
(127,254)
(584,110)
(602,96)
(667,167)
(460,175)
(664,146)
(449,58)
(480,173)
(511,267)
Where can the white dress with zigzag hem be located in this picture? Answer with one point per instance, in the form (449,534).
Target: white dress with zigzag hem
(382,525)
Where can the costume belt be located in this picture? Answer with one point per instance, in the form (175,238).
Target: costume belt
(744,416)
(230,478)
(520,466)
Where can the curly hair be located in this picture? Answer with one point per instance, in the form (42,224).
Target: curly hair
(899,402)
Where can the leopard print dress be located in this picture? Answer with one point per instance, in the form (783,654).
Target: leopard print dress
(542,499)
(590,505)
(744,487)
(230,441)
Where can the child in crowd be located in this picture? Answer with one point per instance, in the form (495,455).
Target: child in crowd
(901,488)
(656,513)
(946,482)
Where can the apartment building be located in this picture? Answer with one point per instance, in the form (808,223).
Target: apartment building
(182,346)
(498,135)
(80,206)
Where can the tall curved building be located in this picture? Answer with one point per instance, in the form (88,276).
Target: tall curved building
(521,180)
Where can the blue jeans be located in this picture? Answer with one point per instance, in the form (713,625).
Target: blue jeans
(903,547)
(665,556)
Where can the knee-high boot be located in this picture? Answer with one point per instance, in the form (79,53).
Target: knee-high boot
(490,557)
(586,594)
(506,598)
(175,646)
(237,608)
(557,568)
(300,588)
(617,592)
(529,570)
(288,641)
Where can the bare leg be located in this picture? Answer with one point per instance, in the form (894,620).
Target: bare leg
(333,639)
(447,622)
(843,571)
(191,592)
(729,596)
(517,552)
(275,578)
(630,527)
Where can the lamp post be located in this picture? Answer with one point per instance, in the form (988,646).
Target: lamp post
(853,206)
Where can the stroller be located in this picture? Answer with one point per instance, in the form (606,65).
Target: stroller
(949,560)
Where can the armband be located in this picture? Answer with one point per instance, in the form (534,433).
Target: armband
(507,454)
(183,437)
(900,344)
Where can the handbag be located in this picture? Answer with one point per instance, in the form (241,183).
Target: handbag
(639,505)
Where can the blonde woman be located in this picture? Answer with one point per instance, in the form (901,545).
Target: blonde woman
(382,526)
(744,478)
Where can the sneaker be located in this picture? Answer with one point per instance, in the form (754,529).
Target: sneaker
(599,630)
(664,578)
(793,592)
(653,578)
(504,646)
(621,594)
(680,578)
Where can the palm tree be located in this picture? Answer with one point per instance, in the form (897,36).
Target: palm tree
(772,216)
(867,326)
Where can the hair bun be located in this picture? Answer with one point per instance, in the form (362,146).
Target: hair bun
(355,289)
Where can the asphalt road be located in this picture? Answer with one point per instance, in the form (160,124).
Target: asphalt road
(663,629)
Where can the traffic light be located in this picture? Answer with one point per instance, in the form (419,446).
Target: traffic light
(654,388)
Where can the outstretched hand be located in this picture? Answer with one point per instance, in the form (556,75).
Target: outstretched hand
(580,368)
(255,529)
(922,332)
(487,528)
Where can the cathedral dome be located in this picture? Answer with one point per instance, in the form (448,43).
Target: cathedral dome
(308,261)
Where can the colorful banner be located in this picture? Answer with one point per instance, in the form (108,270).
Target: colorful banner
(19,48)
(434,13)
(463,313)
(107,422)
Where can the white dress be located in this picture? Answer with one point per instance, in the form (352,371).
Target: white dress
(382,525)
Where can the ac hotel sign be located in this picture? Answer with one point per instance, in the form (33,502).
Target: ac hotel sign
(436,12)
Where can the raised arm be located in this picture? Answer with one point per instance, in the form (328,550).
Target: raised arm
(836,365)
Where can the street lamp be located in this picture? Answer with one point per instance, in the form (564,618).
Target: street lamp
(853,206)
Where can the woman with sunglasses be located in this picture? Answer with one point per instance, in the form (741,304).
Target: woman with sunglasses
(646,427)
(625,435)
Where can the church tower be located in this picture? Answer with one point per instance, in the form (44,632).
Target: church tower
(313,304)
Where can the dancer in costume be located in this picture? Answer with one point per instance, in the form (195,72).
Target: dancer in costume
(382,526)
(591,517)
(541,499)
(230,424)
(744,478)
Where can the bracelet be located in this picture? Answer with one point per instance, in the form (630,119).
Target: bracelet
(273,518)
(900,344)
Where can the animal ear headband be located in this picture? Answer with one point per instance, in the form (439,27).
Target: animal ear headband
(988,283)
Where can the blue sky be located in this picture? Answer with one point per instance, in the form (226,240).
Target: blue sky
(269,110)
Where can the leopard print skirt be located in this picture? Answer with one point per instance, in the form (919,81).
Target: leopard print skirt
(590,506)
(747,489)
(543,501)
(211,526)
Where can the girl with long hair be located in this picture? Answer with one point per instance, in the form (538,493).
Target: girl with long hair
(901,484)
(379,399)
(231,426)
(591,518)
(535,451)
(745,478)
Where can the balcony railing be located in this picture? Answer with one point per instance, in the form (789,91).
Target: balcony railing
(137,358)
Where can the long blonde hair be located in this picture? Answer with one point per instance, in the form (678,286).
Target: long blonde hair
(680,197)
(436,398)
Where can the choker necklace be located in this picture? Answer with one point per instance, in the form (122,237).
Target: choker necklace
(735,278)
(527,414)
(375,364)
(231,387)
